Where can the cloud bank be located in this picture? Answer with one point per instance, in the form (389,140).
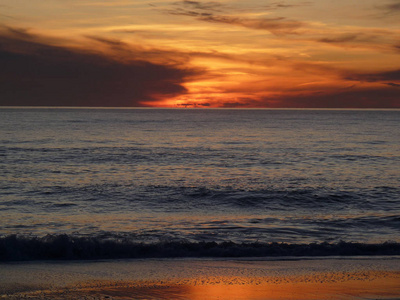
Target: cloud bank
(35,72)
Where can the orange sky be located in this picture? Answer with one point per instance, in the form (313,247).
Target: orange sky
(254,53)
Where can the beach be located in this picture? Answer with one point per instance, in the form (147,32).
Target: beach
(241,279)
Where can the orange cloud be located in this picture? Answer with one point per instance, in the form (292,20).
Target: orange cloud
(201,54)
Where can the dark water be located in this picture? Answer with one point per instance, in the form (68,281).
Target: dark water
(194,177)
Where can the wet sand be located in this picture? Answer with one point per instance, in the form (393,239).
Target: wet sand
(338,278)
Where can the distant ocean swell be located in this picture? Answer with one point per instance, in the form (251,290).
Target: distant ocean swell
(232,195)
(66,247)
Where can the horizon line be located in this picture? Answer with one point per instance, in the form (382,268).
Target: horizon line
(196,108)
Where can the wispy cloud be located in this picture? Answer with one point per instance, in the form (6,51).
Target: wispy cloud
(284,5)
(115,43)
(377,40)
(274,25)
(210,6)
(22,33)
(346,38)
(217,13)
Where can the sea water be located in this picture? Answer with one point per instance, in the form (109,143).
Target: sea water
(182,182)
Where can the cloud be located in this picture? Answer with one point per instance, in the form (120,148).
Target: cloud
(244,102)
(36,72)
(393,84)
(376,77)
(189,13)
(213,12)
(22,33)
(194,104)
(345,38)
(374,90)
(123,51)
(274,25)
(2,15)
(353,98)
(218,7)
(371,39)
(391,8)
(283,5)
(115,43)
(212,5)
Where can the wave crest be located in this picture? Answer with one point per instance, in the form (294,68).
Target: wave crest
(67,247)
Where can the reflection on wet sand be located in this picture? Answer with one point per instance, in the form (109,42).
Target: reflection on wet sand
(365,285)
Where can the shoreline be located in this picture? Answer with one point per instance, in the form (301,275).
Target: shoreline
(195,279)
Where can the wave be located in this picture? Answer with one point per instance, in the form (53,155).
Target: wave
(68,247)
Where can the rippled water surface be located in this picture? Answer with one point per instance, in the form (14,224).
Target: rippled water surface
(151,175)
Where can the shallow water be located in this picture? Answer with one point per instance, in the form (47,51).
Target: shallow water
(193,175)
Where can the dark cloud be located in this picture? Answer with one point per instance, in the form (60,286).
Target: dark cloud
(385,97)
(120,50)
(384,92)
(107,41)
(19,32)
(376,77)
(219,7)
(391,8)
(345,38)
(194,104)
(235,104)
(357,98)
(41,74)
(393,84)
(211,5)
(189,13)
(245,103)
(377,40)
(283,5)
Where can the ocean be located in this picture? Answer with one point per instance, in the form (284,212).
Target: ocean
(81,183)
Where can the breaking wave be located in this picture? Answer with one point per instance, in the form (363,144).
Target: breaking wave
(67,247)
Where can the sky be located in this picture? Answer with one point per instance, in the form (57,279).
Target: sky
(186,53)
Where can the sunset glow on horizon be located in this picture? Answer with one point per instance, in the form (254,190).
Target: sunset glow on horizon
(228,53)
